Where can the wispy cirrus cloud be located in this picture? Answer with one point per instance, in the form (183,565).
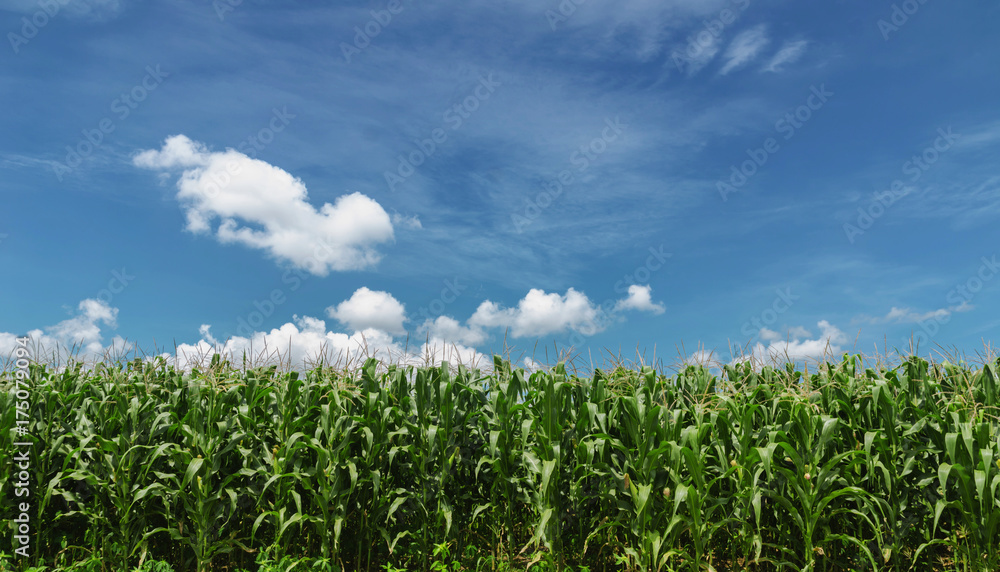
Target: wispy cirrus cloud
(910,316)
(789,53)
(98,10)
(744,48)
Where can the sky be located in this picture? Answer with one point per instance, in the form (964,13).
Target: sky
(693,181)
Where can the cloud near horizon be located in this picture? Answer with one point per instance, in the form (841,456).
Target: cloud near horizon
(369,309)
(910,316)
(374,317)
(797,348)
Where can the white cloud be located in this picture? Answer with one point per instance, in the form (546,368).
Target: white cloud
(370,309)
(799,332)
(88,9)
(639,298)
(299,343)
(206,334)
(697,53)
(272,209)
(306,341)
(704,358)
(85,330)
(80,334)
(796,333)
(789,53)
(448,329)
(375,317)
(769,335)
(410,222)
(532,366)
(910,316)
(744,48)
(538,314)
(778,351)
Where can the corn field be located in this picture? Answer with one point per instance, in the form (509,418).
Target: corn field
(387,467)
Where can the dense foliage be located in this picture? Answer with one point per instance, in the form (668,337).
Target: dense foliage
(391,467)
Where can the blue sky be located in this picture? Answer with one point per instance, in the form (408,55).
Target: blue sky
(774,176)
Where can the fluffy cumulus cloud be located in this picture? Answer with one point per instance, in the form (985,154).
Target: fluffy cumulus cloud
(448,329)
(79,335)
(640,298)
(796,346)
(261,206)
(300,343)
(704,358)
(744,48)
(374,322)
(789,53)
(532,366)
(539,314)
(305,341)
(370,309)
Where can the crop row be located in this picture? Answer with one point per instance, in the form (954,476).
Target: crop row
(849,468)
